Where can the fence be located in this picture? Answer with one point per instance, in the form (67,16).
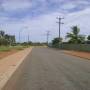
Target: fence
(78,47)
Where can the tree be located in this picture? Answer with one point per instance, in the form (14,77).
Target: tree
(2,33)
(56,41)
(88,37)
(12,39)
(3,41)
(74,36)
(6,39)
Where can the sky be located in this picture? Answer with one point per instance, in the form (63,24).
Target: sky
(36,17)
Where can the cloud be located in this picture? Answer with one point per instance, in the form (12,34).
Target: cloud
(13,5)
(33,8)
(39,17)
(37,27)
(68,6)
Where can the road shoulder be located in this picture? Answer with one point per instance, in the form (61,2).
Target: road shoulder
(85,55)
(9,65)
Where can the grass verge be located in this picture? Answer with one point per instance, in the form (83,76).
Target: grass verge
(9,48)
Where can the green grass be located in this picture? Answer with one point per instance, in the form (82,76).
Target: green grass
(4,49)
(8,48)
(18,47)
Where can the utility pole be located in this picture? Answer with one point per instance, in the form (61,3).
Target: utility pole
(60,19)
(19,36)
(28,37)
(20,33)
(48,34)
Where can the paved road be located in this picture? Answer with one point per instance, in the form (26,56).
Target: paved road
(50,69)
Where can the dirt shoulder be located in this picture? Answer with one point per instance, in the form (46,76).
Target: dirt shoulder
(85,55)
(9,64)
(7,53)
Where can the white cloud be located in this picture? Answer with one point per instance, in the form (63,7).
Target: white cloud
(81,18)
(15,5)
(68,6)
(84,2)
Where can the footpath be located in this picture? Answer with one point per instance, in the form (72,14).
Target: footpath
(9,65)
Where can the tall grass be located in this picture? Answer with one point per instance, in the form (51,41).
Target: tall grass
(8,48)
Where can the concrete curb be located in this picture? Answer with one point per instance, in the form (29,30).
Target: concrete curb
(6,76)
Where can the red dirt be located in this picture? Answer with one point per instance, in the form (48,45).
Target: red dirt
(7,53)
(85,55)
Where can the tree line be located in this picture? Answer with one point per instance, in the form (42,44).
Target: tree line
(74,37)
(6,39)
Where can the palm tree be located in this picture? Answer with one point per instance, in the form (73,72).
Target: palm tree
(74,36)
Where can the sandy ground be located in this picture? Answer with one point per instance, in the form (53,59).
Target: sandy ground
(9,64)
(85,55)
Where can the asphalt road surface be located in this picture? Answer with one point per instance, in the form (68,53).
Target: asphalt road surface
(50,69)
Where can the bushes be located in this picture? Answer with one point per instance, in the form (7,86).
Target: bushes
(6,39)
(4,42)
(76,47)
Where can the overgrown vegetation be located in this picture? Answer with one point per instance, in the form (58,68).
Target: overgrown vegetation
(8,48)
(56,41)
(6,39)
(88,37)
(74,41)
(74,36)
